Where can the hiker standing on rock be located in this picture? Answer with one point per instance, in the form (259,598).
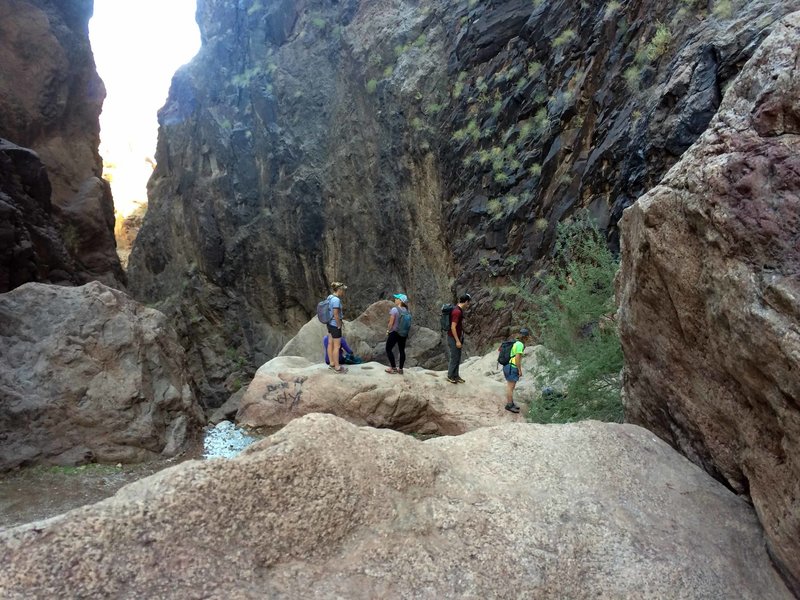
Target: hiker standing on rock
(513,370)
(335,326)
(397,332)
(455,338)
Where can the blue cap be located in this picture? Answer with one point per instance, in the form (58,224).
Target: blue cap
(402,297)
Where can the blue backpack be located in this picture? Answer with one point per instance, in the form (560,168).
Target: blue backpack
(404,326)
(324,310)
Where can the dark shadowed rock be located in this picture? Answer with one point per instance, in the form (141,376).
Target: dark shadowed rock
(709,296)
(87,374)
(323,509)
(50,101)
(393,145)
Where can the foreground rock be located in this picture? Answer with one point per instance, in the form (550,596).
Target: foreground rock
(710,297)
(87,374)
(419,401)
(366,335)
(323,509)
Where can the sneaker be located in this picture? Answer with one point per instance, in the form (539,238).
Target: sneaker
(451,380)
(399,371)
(460,380)
(512,408)
(391,371)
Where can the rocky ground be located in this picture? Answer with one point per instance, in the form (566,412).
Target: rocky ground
(325,509)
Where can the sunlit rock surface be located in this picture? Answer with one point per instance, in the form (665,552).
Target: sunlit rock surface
(323,509)
(710,296)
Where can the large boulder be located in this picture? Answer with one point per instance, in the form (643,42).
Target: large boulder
(323,509)
(419,401)
(709,296)
(366,335)
(87,374)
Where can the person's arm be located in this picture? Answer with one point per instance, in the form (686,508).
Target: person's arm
(455,332)
(391,321)
(518,363)
(337,317)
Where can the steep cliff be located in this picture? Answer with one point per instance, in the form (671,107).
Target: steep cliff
(50,100)
(429,146)
(709,295)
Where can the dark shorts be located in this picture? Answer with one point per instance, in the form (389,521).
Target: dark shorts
(336,332)
(511,373)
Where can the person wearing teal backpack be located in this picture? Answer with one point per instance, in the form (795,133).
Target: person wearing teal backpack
(397,332)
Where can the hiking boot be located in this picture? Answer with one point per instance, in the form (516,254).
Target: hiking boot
(451,380)
(512,408)
(459,380)
(399,371)
(391,371)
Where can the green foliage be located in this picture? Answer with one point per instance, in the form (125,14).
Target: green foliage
(433,109)
(632,77)
(535,170)
(541,224)
(660,42)
(71,237)
(576,318)
(499,304)
(372,85)
(420,41)
(495,208)
(534,69)
(563,38)
(318,22)
(611,8)
(387,72)
(497,107)
(723,9)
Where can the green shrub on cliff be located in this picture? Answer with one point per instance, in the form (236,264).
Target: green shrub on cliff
(576,319)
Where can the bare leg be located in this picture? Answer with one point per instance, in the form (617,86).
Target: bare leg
(510,385)
(333,359)
(337,344)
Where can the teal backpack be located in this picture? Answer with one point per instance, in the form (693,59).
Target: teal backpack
(404,325)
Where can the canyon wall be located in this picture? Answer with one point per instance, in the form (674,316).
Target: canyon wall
(57,213)
(429,147)
(709,295)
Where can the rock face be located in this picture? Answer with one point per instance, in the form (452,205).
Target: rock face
(419,401)
(323,509)
(62,231)
(89,375)
(366,335)
(710,296)
(398,146)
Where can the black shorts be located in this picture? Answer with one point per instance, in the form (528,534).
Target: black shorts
(335,332)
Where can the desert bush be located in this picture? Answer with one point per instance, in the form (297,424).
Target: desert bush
(576,317)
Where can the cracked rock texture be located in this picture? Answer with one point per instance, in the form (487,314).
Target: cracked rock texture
(88,375)
(709,296)
(57,213)
(323,509)
(397,145)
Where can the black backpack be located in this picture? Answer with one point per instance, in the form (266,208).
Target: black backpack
(445,318)
(504,352)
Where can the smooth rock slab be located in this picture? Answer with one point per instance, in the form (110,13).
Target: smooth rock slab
(323,509)
(419,401)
